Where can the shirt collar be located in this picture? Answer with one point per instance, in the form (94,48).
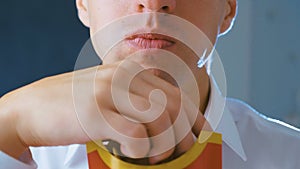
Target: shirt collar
(221,120)
(76,157)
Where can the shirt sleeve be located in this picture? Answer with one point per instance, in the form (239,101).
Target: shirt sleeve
(25,162)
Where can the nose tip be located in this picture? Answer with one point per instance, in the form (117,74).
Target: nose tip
(166,6)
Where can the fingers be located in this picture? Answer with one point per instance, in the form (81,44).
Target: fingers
(186,143)
(165,130)
(162,140)
(159,127)
(195,117)
(183,133)
(177,122)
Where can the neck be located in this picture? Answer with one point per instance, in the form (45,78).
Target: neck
(204,89)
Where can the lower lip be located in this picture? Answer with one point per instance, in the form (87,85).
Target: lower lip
(142,43)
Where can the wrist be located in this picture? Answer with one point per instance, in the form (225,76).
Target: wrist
(10,142)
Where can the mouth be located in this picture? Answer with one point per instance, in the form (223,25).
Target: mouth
(150,40)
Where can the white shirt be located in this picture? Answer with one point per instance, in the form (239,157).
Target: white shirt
(250,141)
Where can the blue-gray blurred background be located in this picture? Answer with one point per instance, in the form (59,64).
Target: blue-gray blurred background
(262,59)
(40,38)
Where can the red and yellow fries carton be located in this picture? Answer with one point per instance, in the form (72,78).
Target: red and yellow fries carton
(206,153)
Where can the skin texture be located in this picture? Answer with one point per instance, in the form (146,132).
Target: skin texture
(43,113)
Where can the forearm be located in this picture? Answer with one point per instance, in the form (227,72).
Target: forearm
(10,143)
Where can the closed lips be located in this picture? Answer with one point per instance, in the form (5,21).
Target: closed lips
(147,41)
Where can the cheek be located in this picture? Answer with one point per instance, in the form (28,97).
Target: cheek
(209,25)
(103,12)
(205,14)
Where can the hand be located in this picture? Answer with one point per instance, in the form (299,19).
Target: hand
(43,114)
